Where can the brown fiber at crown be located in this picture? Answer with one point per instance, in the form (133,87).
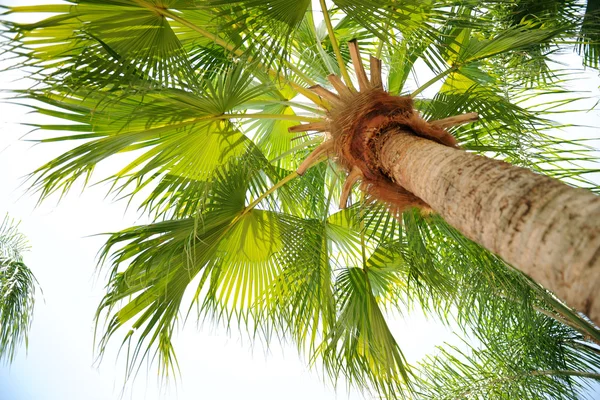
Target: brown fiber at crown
(360,126)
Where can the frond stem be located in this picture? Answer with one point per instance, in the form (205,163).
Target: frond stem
(282,117)
(593,347)
(248,116)
(240,116)
(330,196)
(381,41)
(217,40)
(334,44)
(379,50)
(362,232)
(268,192)
(581,374)
(432,81)
(320,50)
(564,320)
(301,74)
(576,321)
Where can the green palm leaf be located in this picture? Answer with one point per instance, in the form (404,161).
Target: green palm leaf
(17,291)
(361,344)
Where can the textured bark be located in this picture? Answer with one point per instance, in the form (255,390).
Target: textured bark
(546,229)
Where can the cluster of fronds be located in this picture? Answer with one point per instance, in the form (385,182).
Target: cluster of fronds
(355,128)
(195,99)
(17,290)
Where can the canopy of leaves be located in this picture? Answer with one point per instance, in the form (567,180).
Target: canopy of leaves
(195,100)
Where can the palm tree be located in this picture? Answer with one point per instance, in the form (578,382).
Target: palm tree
(17,290)
(202,101)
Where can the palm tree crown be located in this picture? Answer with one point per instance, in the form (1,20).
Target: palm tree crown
(198,100)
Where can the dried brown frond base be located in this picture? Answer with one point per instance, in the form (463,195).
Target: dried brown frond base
(358,122)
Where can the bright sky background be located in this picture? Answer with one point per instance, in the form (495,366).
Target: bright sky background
(215,364)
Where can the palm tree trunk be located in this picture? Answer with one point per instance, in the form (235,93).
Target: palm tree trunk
(546,229)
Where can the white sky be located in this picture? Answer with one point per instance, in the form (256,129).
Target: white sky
(214,364)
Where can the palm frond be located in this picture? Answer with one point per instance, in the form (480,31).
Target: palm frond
(17,291)
(512,368)
(361,345)
(88,45)
(165,123)
(588,41)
